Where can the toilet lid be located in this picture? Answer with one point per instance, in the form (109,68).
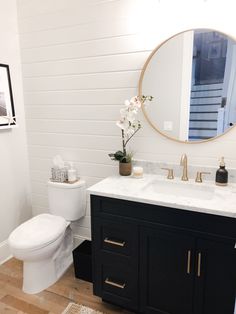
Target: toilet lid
(37,232)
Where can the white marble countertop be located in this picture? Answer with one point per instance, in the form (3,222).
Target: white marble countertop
(157,190)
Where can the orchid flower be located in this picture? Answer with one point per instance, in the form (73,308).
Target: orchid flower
(129,124)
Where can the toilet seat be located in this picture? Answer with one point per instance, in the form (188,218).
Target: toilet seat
(37,232)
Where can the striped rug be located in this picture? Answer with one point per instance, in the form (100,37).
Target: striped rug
(74,308)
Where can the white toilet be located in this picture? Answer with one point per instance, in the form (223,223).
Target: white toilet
(45,242)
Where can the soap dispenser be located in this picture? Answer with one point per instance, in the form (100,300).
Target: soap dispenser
(222,174)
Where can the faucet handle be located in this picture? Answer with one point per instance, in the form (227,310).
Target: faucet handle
(170,174)
(199,176)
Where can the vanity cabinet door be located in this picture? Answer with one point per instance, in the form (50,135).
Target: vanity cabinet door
(166,271)
(215,283)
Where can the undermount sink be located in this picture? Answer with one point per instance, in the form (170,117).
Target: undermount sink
(180,189)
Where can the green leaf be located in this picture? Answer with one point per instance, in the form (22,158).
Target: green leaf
(119,155)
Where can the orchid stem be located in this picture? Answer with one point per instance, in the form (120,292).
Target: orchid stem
(125,143)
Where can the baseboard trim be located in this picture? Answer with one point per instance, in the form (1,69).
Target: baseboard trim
(4,252)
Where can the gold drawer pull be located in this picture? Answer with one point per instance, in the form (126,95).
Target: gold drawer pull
(114,284)
(199,264)
(189,262)
(117,243)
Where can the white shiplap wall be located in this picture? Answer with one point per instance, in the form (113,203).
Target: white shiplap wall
(81,59)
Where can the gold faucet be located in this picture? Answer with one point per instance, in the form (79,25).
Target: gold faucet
(184,163)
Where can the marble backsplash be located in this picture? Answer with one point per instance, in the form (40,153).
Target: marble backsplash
(151,167)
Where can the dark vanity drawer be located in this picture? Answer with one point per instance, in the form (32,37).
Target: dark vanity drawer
(119,238)
(115,261)
(119,281)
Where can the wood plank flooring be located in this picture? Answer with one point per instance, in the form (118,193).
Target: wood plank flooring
(52,300)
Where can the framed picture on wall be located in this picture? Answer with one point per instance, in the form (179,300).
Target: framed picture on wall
(7,111)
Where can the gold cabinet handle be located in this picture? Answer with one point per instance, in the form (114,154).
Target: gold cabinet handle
(189,262)
(114,284)
(117,243)
(199,261)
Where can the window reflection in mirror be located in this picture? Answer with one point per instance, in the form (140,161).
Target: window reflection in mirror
(192,77)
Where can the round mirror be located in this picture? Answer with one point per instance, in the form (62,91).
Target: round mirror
(192,77)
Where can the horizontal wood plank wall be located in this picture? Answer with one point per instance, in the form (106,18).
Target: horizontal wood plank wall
(81,59)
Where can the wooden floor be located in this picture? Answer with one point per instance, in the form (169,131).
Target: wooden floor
(52,300)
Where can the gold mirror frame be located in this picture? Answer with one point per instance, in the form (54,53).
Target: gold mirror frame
(140,93)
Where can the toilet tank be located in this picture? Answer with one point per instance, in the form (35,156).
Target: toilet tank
(67,200)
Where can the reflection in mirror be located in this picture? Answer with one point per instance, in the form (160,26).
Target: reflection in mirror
(192,77)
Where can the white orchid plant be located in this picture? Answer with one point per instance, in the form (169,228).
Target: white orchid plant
(129,125)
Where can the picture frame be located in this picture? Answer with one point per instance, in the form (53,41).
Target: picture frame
(7,110)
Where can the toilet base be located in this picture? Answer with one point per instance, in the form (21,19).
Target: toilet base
(39,275)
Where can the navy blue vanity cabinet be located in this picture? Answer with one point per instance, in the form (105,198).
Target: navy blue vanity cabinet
(159,260)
